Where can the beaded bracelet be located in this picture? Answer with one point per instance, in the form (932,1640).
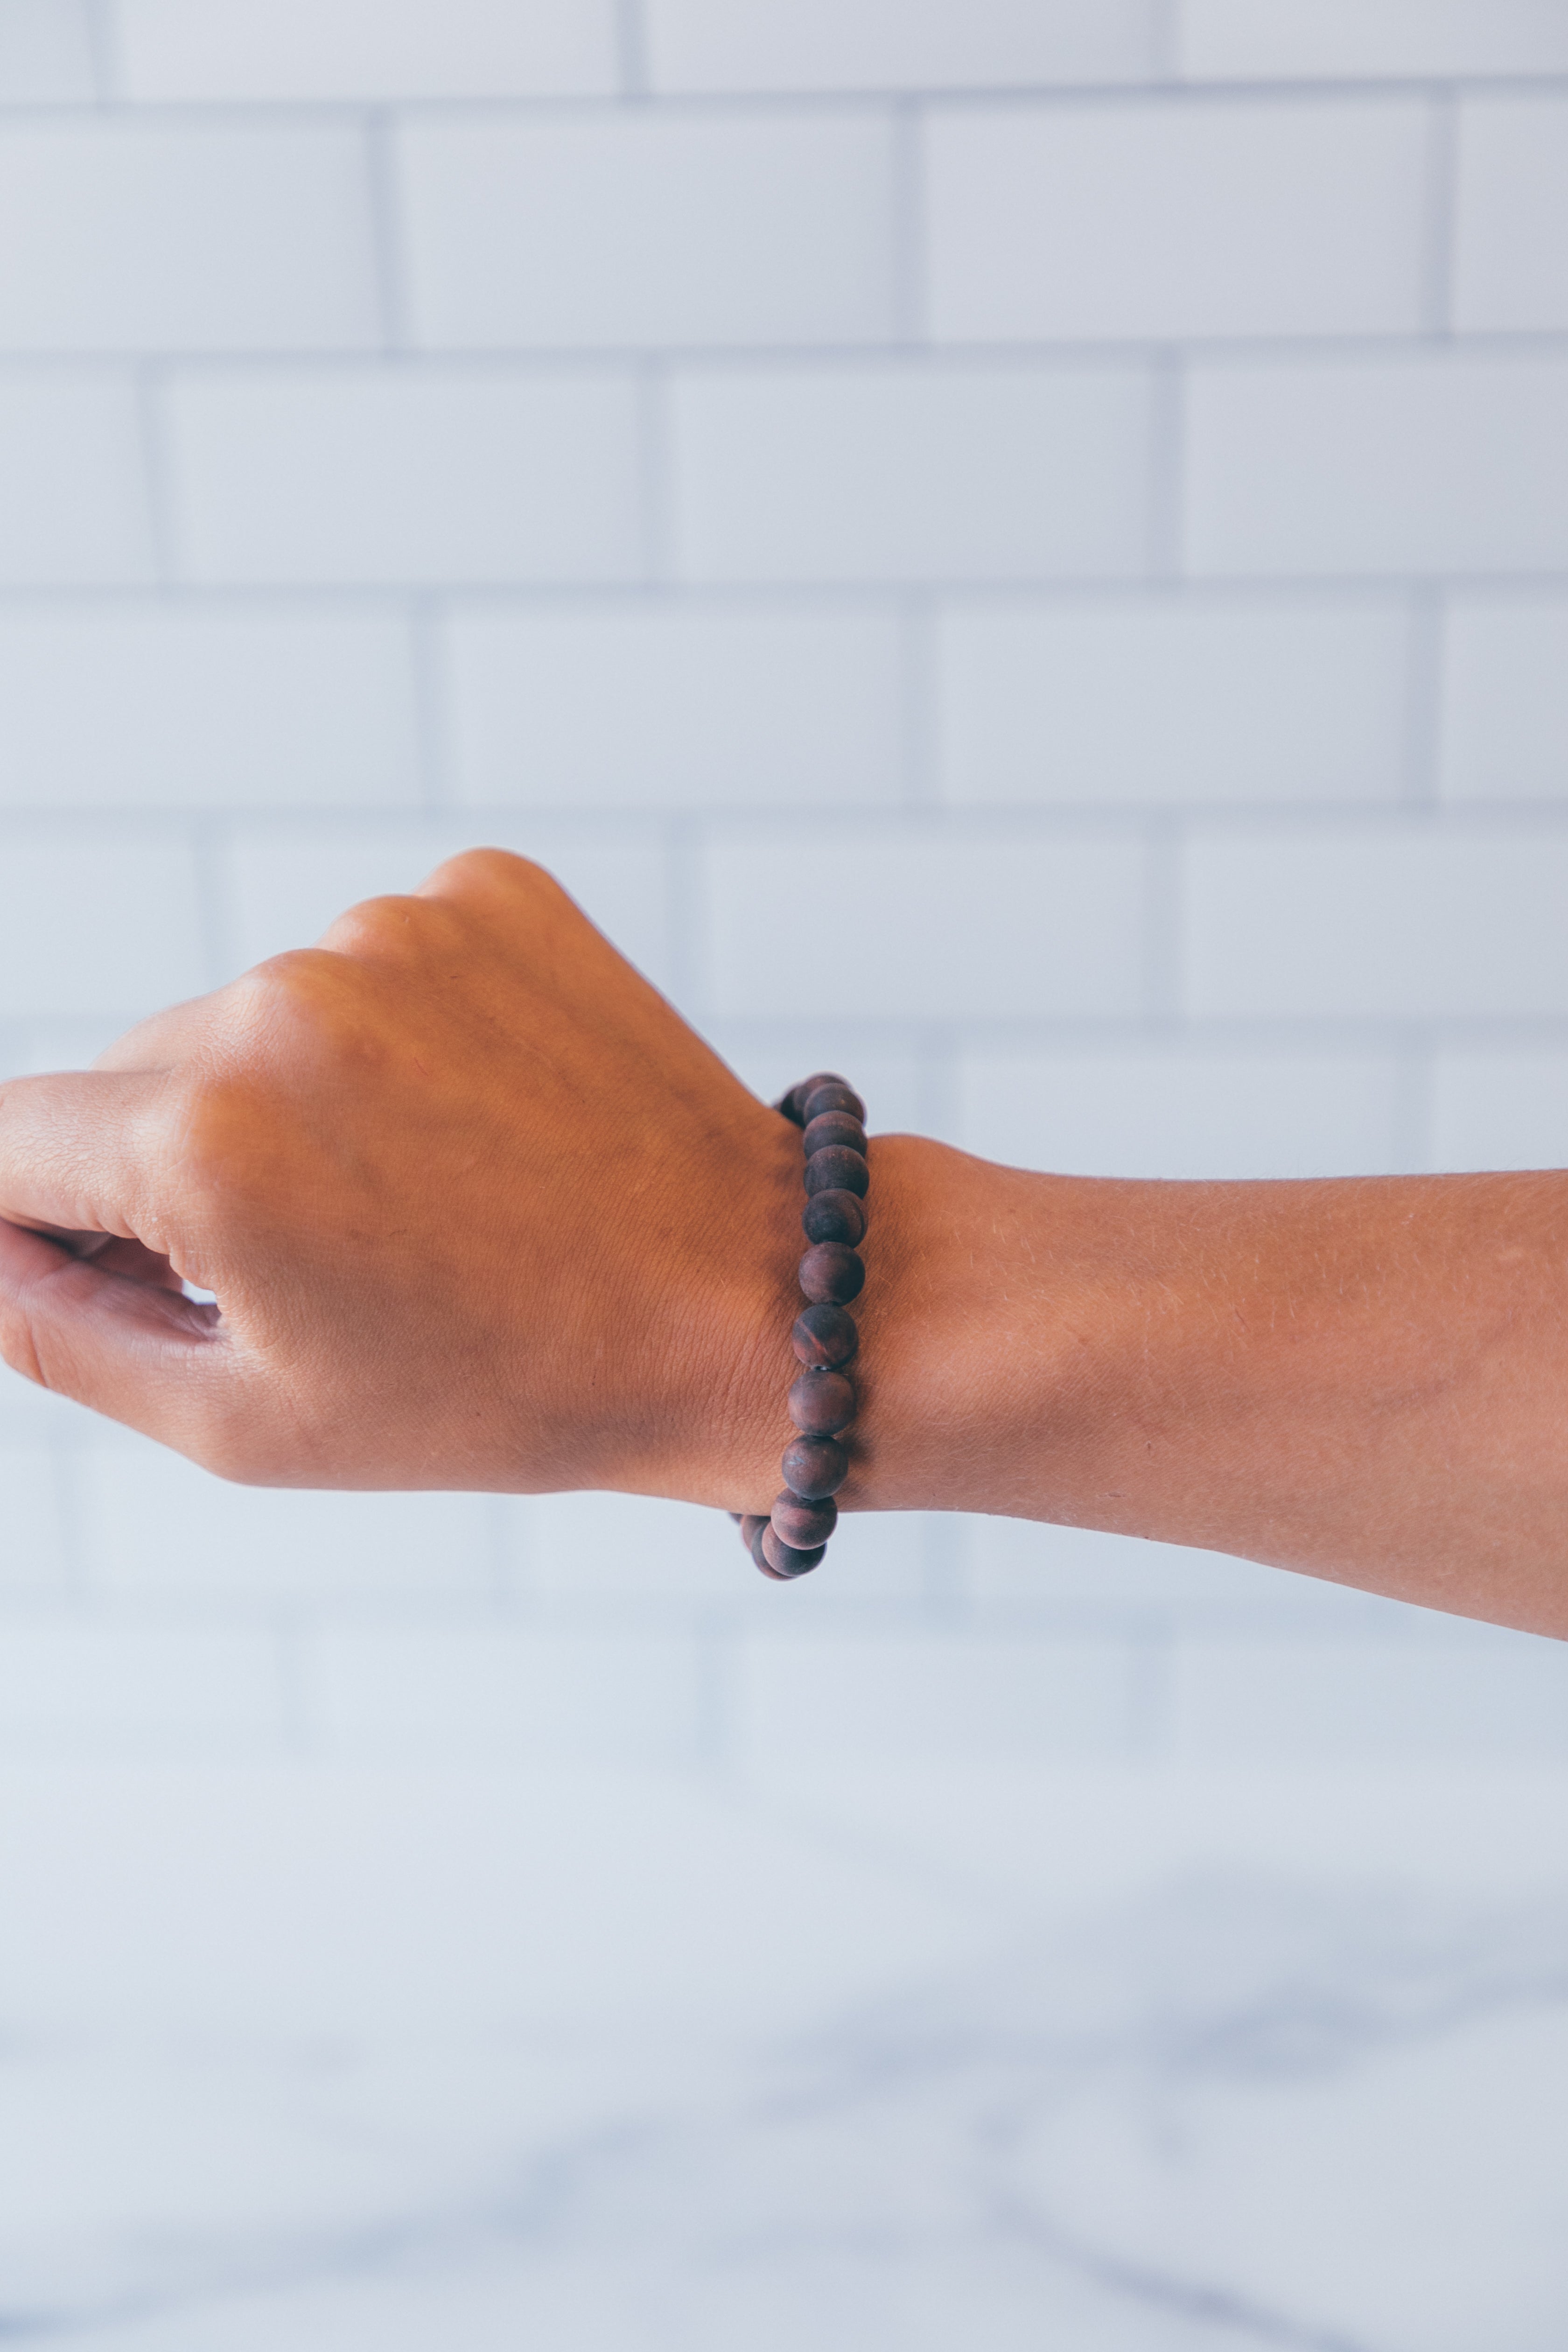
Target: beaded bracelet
(822,1402)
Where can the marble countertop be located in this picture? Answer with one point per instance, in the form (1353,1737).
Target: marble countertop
(324,2056)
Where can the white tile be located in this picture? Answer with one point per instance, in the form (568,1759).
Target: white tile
(658,706)
(126,236)
(96,922)
(1150,1586)
(285,886)
(1377,466)
(907,1695)
(1171,702)
(32,1548)
(351,476)
(1406,37)
(363,48)
(46,52)
(1500,1108)
(1503,1696)
(894,44)
(154,1526)
(87,1685)
(601,1696)
(138,705)
(894,473)
(1504,727)
(73,497)
(919,925)
(1510,254)
(1180,1112)
(1274,217)
(1378,923)
(649,229)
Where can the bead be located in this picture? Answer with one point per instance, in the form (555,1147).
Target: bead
(825,1337)
(752,1526)
(803,1524)
(834,1217)
(836,1170)
(829,1271)
(754,1546)
(821,1403)
(831,1093)
(793,1104)
(815,1466)
(834,1127)
(783,1559)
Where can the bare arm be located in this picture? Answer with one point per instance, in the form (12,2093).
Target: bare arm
(480,1210)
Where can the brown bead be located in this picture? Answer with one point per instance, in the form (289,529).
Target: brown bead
(834,1127)
(754,1546)
(783,1559)
(821,1403)
(825,1338)
(831,1093)
(815,1466)
(752,1526)
(802,1524)
(834,1217)
(830,1272)
(792,1105)
(837,1170)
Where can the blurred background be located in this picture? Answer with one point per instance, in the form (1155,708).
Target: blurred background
(1106,461)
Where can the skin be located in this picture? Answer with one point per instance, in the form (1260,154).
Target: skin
(481,1211)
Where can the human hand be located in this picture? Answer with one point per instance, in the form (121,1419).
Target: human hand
(479,1210)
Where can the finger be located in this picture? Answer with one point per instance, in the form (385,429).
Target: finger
(147,1357)
(79,1152)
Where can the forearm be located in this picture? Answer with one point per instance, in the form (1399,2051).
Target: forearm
(1366,1380)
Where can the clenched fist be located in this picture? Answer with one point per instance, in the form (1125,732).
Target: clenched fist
(477,1208)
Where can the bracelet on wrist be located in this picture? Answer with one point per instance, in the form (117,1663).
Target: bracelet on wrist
(822,1402)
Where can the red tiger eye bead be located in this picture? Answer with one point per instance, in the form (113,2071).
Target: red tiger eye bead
(803,1524)
(834,1217)
(815,1466)
(837,1170)
(783,1559)
(794,1102)
(825,1338)
(831,1093)
(821,1403)
(830,1272)
(834,1127)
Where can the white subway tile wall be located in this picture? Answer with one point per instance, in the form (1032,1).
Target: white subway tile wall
(1103,458)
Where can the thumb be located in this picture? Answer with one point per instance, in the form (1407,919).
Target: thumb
(74,1158)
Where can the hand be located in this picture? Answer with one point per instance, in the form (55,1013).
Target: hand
(477,1208)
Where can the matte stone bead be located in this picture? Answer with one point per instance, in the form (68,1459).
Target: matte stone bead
(754,1546)
(793,1104)
(752,1526)
(825,1337)
(834,1217)
(803,1524)
(834,1127)
(785,1560)
(831,1093)
(836,1170)
(829,1271)
(821,1403)
(815,1466)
